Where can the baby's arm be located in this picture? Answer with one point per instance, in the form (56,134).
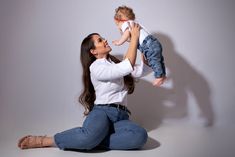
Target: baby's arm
(125,36)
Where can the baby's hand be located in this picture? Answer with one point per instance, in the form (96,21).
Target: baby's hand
(159,81)
(116,42)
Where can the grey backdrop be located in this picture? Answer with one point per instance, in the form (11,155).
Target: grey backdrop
(40,71)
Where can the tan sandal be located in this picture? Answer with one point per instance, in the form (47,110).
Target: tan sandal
(31,142)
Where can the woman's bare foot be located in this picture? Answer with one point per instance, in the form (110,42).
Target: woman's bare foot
(35,142)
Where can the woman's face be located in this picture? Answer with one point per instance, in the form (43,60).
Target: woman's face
(102,47)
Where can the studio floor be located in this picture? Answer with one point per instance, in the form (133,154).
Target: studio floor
(169,140)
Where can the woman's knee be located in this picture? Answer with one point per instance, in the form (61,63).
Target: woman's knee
(141,137)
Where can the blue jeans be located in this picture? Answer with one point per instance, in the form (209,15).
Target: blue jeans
(104,127)
(152,50)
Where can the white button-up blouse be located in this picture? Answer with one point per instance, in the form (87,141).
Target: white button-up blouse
(108,82)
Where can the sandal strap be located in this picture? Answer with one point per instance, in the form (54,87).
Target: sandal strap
(41,140)
(37,141)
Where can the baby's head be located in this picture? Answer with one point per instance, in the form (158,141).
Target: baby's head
(123,13)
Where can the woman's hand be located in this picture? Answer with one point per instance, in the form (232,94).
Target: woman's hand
(132,50)
(144,59)
(134,30)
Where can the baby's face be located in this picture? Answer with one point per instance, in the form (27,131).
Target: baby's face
(116,22)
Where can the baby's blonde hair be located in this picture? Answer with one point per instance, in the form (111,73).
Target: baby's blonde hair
(124,13)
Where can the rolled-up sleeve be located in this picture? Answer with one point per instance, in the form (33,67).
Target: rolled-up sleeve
(105,72)
(138,70)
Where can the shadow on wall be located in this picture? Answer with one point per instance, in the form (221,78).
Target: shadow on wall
(149,104)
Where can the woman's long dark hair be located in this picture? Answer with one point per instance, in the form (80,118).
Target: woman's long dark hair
(88,96)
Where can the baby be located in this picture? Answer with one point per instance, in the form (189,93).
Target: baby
(148,44)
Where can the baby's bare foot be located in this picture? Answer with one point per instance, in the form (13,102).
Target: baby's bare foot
(159,81)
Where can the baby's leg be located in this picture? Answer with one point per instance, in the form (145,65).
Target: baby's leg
(153,54)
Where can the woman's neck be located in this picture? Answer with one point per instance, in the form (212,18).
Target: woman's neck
(104,56)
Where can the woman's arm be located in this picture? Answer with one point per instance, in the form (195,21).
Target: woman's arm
(132,49)
(105,72)
(138,70)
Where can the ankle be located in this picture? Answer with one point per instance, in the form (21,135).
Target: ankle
(47,141)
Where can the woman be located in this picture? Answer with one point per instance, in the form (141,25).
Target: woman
(107,81)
